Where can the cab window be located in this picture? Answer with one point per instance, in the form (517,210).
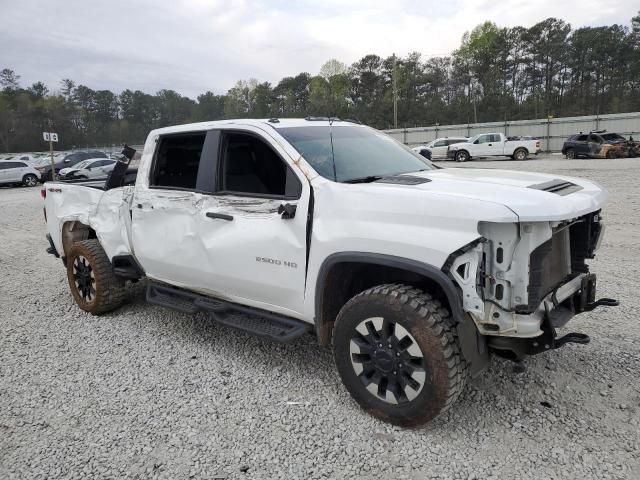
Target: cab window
(250,167)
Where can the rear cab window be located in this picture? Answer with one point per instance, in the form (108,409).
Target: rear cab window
(176,162)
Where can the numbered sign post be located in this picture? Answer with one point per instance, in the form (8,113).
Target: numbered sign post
(51,137)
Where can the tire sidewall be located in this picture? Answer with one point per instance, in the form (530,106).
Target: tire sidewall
(78,249)
(462,156)
(30,176)
(433,396)
(520,152)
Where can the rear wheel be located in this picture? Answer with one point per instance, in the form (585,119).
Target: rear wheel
(462,156)
(93,284)
(29,180)
(570,154)
(611,154)
(520,154)
(397,353)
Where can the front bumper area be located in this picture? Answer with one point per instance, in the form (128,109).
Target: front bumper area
(555,311)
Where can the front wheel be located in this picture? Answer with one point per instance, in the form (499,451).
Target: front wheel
(29,180)
(571,154)
(93,284)
(397,352)
(462,156)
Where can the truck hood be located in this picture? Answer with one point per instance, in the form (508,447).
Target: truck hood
(531,196)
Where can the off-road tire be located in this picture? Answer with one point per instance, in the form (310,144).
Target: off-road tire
(570,154)
(107,290)
(30,180)
(462,156)
(520,154)
(433,332)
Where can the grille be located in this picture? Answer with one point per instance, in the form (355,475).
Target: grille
(549,266)
(562,256)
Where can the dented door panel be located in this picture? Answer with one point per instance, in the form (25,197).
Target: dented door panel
(257,254)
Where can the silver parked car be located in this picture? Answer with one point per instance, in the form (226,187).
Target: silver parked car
(437,149)
(18,172)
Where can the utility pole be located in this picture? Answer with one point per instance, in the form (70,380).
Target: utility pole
(395,93)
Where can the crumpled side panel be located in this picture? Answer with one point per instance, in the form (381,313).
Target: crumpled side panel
(111,219)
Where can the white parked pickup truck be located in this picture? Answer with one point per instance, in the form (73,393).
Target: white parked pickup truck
(415,274)
(493,145)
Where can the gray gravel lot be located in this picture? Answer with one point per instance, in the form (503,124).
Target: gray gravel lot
(145,392)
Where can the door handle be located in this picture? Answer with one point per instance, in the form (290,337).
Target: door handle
(287,211)
(221,216)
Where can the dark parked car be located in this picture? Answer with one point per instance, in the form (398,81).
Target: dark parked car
(68,160)
(599,144)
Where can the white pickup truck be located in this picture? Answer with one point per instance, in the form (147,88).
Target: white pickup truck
(493,145)
(414,273)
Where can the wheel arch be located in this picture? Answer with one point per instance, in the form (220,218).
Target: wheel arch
(345,274)
(74,231)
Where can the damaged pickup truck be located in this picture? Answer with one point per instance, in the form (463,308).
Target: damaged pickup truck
(414,273)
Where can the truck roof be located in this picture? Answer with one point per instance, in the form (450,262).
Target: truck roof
(275,123)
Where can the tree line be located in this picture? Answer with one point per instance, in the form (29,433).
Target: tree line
(496,74)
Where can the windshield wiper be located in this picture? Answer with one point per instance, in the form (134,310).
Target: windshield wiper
(368,179)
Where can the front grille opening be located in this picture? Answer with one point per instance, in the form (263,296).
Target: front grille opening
(562,257)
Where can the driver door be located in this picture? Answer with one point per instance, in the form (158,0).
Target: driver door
(482,145)
(439,149)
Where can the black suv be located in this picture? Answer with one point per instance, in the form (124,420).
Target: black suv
(596,144)
(68,160)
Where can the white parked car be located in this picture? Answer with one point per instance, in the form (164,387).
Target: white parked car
(89,169)
(437,149)
(15,172)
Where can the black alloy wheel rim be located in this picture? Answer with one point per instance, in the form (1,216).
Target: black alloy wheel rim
(387,360)
(84,278)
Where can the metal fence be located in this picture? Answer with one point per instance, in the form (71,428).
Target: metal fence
(552,131)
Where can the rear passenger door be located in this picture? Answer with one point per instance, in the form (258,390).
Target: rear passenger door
(581,146)
(14,171)
(4,171)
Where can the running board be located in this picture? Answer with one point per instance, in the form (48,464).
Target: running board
(251,320)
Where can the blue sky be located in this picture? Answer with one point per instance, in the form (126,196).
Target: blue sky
(196,45)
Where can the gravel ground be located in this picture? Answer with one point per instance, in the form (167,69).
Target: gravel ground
(145,392)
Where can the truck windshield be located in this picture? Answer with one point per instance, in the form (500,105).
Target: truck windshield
(359,153)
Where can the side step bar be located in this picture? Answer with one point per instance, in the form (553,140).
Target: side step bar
(251,320)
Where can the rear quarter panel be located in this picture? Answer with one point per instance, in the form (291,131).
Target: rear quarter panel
(105,212)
